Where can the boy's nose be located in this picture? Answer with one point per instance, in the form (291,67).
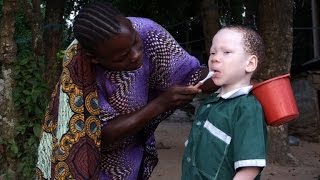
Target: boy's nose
(214,60)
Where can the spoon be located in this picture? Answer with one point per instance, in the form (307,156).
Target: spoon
(210,74)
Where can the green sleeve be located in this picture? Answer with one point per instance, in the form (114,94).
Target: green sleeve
(250,135)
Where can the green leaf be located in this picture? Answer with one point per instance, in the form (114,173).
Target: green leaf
(26,92)
(37,110)
(24,61)
(27,77)
(14,148)
(31,141)
(34,97)
(37,129)
(28,99)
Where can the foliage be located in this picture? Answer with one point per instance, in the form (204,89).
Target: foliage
(1,4)
(179,13)
(154,9)
(29,96)
(74,5)
(157,10)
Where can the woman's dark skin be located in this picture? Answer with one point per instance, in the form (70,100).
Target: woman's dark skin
(125,52)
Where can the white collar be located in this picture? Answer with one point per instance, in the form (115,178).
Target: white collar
(235,92)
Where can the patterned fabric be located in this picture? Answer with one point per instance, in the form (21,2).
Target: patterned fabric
(72,127)
(70,142)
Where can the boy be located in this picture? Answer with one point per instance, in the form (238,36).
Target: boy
(228,139)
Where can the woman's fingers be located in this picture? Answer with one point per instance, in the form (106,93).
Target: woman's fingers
(178,95)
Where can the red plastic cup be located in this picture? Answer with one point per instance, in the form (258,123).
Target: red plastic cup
(277,100)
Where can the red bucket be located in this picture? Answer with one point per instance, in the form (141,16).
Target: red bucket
(277,100)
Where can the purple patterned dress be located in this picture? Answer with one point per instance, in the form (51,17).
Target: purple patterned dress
(165,64)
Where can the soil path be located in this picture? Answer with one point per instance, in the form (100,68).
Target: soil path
(170,143)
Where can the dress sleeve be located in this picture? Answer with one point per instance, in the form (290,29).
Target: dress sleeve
(250,136)
(170,63)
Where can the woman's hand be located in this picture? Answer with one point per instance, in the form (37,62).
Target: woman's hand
(176,96)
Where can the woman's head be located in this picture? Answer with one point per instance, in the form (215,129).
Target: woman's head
(95,23)
(109,37)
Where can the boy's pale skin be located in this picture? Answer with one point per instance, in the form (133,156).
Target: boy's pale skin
(232,65)
(233,68)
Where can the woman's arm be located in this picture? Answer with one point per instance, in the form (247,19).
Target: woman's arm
(125,125)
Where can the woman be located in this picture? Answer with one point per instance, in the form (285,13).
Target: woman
(120,79)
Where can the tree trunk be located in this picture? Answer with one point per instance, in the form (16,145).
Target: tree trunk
(53,33)
(34,17)
(8,113)
(210,21)
(275,26)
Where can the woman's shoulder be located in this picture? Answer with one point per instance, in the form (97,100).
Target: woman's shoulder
(145,25)
(142,21)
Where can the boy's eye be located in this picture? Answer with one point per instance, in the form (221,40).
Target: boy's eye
(212,53)
(227,52)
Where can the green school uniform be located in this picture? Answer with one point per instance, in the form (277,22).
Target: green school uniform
(229,132)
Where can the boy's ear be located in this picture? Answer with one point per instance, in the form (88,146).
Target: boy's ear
(252,63)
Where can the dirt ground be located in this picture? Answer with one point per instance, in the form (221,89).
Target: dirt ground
(170,143)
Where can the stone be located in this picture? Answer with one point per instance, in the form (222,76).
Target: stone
(293,141)
(306,126)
